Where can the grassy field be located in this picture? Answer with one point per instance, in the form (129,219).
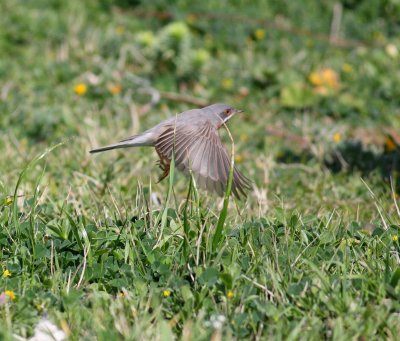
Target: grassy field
(94,244)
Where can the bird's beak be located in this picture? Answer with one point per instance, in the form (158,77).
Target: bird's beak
(238,111)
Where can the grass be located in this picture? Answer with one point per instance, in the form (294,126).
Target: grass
(96,245)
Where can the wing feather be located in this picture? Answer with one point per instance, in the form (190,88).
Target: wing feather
(200,149)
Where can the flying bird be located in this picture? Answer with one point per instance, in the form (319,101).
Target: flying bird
(193,138)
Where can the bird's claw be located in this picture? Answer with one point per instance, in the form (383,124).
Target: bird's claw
(164,167)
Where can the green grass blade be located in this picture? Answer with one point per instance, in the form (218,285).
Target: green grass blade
(186,225)
(224,212)
(164,213)
(19,181)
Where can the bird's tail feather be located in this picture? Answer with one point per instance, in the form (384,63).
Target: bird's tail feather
(110,147)
(134,141)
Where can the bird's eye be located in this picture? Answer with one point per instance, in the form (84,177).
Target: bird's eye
(227,112)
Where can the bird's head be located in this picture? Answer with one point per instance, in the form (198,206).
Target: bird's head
(221,113)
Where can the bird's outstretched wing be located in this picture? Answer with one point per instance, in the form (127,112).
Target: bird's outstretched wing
(200,149)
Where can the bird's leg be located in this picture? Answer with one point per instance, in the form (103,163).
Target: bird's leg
(164,164)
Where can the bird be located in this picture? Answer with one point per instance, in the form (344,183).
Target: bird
(192,138)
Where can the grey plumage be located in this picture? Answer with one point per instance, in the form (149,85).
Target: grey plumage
(193,135)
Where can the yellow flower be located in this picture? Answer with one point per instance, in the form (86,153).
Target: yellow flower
(347,68)
(115,89)
(395,238)
(80,89)
(337,137)
(330,77)
(6,273)
(315,79)
(8,201)
(166,293)
(259,34)
(238,158)
(10,294)
(230,294)
(120,29)
(390,144)
(324,77)
(227,83)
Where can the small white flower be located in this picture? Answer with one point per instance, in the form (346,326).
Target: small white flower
(392,50)
(48,331)
(216,321)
